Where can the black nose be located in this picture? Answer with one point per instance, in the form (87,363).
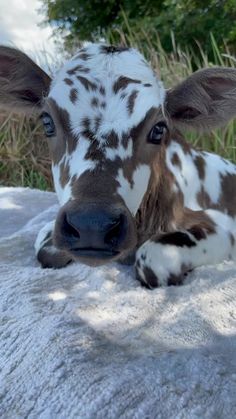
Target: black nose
(93,231)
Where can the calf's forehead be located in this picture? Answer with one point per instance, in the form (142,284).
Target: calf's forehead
(113,89)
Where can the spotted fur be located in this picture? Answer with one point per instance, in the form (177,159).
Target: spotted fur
(178,203)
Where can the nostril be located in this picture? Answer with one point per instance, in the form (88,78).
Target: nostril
(69,228)
(113,235)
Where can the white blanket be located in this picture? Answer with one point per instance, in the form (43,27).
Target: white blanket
(92,343)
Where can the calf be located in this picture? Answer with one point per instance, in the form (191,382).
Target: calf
(130,187)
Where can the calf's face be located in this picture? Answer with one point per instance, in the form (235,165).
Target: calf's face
(98,114)
(108,121)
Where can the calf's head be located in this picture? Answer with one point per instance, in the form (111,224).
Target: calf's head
(109,120)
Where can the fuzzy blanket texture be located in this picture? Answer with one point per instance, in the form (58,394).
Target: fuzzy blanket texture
(86,342)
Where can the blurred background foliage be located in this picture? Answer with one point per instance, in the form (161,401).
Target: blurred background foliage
(191,21)
(177,37)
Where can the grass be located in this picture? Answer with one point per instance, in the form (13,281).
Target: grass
(24,159)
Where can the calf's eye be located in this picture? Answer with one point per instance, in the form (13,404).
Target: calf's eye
(49,127)
(157,132)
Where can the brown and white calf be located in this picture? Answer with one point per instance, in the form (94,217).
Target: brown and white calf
(129,186)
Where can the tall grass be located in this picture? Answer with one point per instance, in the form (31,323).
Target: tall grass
(24,156)
(24,159)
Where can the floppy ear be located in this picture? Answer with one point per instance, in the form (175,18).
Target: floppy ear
(22,82)
(205,100)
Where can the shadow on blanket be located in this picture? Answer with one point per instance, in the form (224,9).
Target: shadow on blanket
(91,343)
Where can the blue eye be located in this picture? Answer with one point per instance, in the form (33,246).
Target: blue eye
(49,127)
(157,132)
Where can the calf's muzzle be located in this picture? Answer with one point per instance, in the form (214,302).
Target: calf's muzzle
(94,233)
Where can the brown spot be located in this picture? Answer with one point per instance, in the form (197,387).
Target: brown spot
(150,277)
(94,151)
(151,280)
(111,49)
(185,146)
(147,85)
(204,199)
(94,102)
(64,174)
(78,68)
(232,239)
(112,139)
(97,124)
(100,183)
(175,280)
(123,82)
(200,165)
(177,238)
(72,142)
(175,160)
(131,101)
(198,223)
(125,140)
(65,140)
(83,56)
(227,200)
(88,85)
(68,81)
(87,133)
(102,90)
(197,232)
(103,105)
(73,95)
(86,123)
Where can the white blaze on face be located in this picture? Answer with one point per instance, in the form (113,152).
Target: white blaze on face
(133,194)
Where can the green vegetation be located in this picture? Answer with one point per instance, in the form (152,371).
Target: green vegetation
(191,21)
(24,157)
(23,150)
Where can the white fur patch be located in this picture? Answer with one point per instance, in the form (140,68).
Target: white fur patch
(187,175)
(64,194)
(215,166)
(105,70)
(77,166)
(42,236)
(133,194)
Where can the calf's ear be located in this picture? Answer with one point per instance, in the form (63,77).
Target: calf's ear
(22,82)
(205,100)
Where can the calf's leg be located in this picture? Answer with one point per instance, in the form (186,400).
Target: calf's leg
(165,259)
